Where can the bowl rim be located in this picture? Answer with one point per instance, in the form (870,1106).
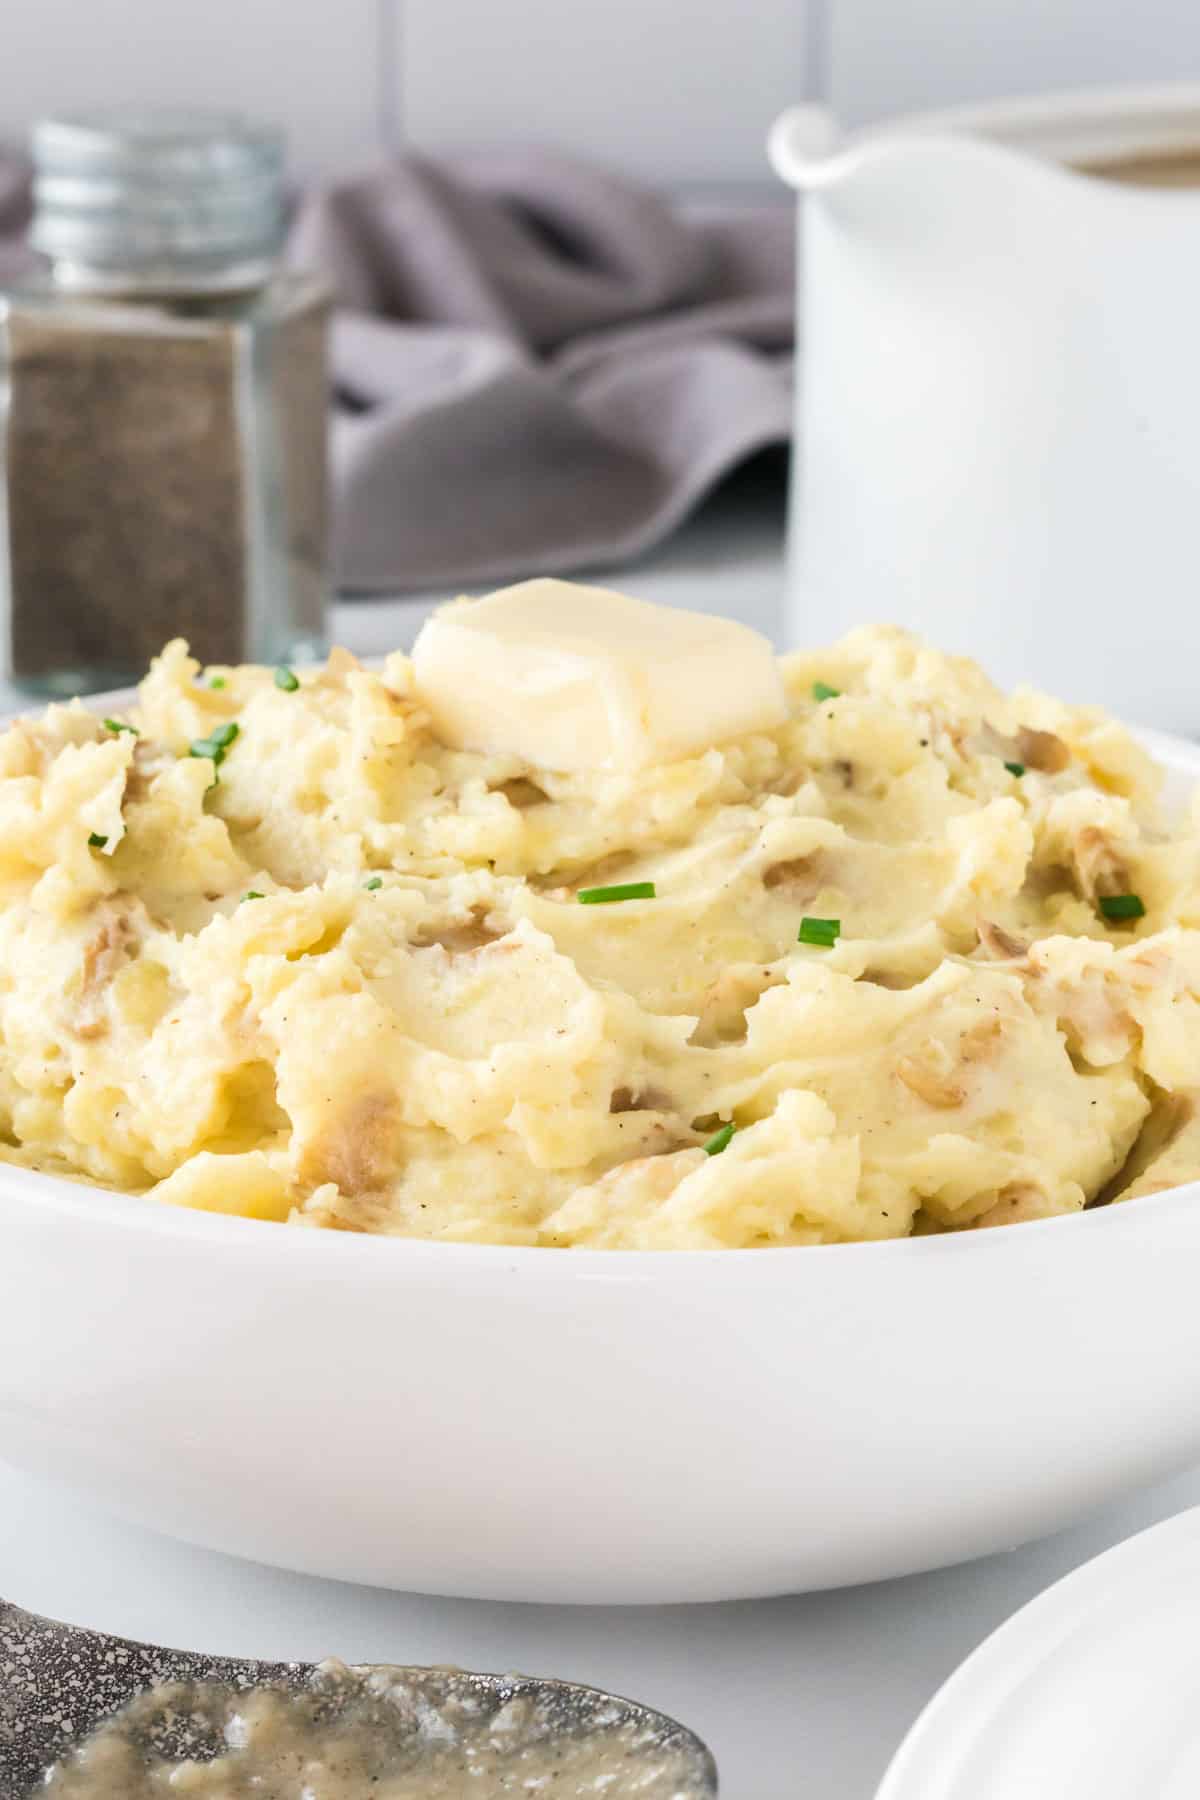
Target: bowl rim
(67,1198)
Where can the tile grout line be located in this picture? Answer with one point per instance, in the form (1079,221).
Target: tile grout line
(817,61)
(389,56)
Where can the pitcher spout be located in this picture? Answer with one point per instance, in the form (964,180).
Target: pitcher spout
(802,146)
(1070,135)
(809,152)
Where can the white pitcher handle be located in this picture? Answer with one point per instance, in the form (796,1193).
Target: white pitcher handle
(801,142)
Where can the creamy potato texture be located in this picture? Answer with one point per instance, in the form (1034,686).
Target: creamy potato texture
(350,984)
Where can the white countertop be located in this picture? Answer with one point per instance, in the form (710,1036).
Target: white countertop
(800,1699)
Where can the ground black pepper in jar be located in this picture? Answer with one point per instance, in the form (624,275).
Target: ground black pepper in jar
(164,439)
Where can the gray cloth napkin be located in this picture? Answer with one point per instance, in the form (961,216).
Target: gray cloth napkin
(14,215)
(539,366)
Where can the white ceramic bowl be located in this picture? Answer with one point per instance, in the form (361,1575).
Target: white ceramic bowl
(611,1426)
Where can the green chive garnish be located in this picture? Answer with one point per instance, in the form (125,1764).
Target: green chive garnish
(629,890)
(286,680)
(1017,769)
(821,690)
(119,725)
(96,841)
(202,747)
(719,1139)
(215,745)
(822,932)
(376,881)
(252,894)
(206,747)
(216,681)
(1122,906)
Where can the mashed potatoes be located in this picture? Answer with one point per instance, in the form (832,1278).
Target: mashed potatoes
(350,983)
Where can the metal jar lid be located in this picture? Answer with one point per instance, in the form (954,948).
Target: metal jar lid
(157,202)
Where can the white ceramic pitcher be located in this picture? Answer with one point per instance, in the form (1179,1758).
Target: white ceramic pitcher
(999,411)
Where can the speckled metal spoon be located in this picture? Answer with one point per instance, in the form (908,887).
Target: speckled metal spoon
(59,1683)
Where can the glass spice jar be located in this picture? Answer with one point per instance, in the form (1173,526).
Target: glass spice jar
(163,398)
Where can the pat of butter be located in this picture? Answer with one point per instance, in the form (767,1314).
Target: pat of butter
(572,677)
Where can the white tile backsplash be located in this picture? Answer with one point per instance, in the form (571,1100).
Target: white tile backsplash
(675,90)
(900,55)
(672,91)
(310,65)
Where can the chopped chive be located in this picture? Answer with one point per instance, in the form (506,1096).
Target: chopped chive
(822,932)
(629,890)
(206,747)
(216,681)
(821,690)
(1122,906)
(719,1139)
(286,680)
(96,841)
(215,746)
(376,881)
(252,894)
(1017,769)
(120,725)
